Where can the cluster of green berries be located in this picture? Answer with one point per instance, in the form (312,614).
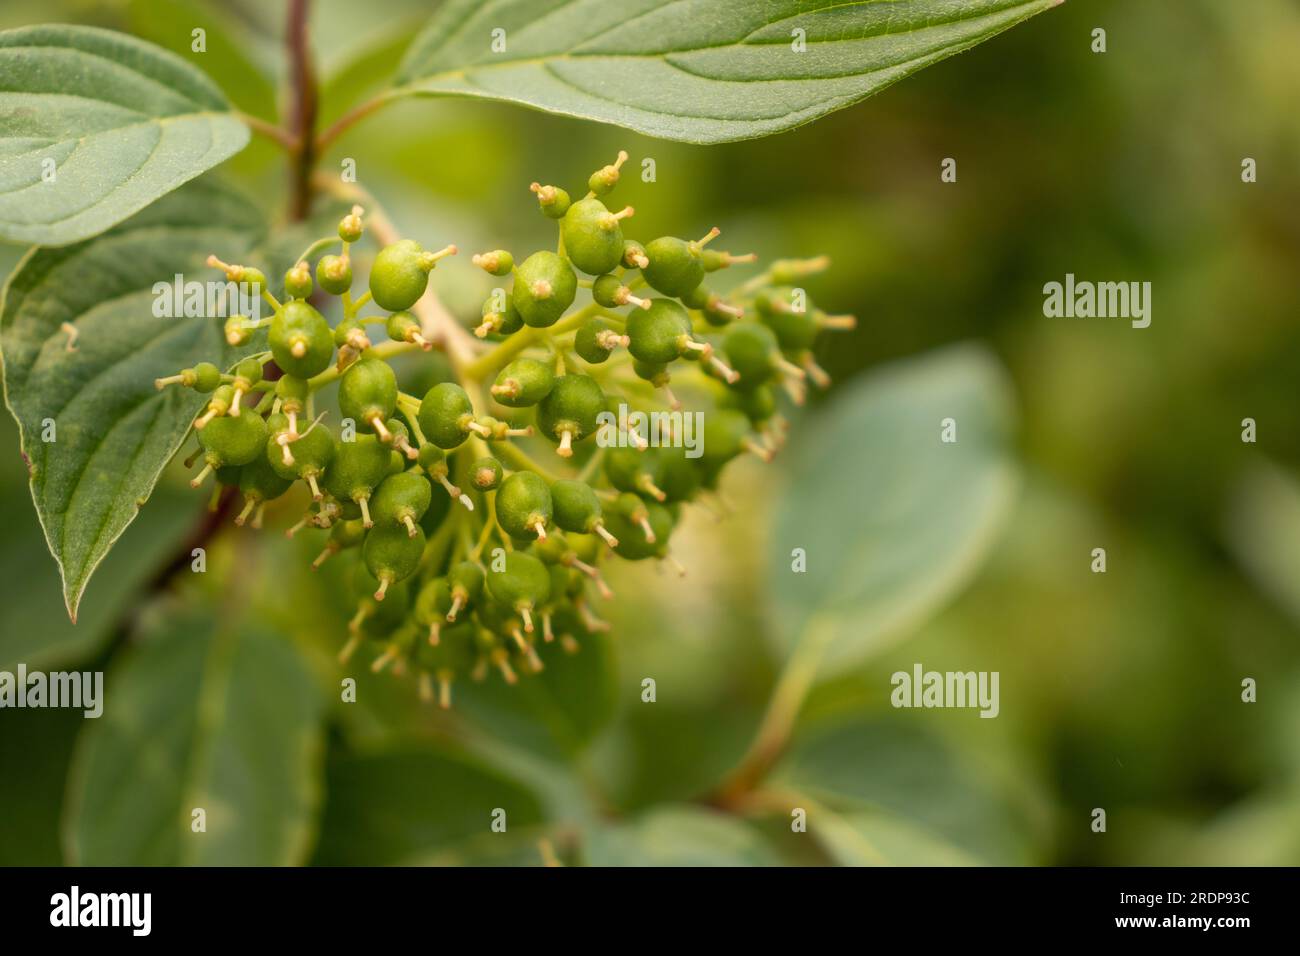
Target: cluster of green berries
(446,591)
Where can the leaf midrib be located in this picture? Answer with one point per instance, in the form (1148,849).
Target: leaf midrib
(547,59)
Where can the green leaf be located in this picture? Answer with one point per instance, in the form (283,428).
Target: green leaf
(554,714)
(114,431)
(208,714)
(678,836)
(119,121)
(893,520)
(702,71)
(1263,531)
(401,805)
(897,794)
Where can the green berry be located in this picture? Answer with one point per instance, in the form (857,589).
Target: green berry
(500,317)
(334,273)
(297,281)
(308,458)
(485,474)
(498,262)
(596,340)
(795,331)
(368,394)
(630,470)
(545,286)
(401,273)
(677,476)
(356,471)
(569,412)
(552,200)
(300,339)
(523,383)
(466,580)
(207,377)
(260,483)
(352,334)
(446,415)
(758,403)
(716,311)
(404,327)
(401,499)
(233,440)
(676,266)
(523,505)
(634,255)
(577,509)
(593,238)
(753,353)
(641,527)
(391,555)
(523,584)
(659,334)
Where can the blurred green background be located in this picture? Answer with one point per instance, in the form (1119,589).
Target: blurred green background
(1118,690)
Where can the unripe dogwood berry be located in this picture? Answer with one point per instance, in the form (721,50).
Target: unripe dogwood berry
(447,417)
(485,474)
(259,483)
(356,470)
(368,395)
(228,440)
(334,273)
(569,412)
(499,317)
(401,499)
(523,383)
(498,262)
(524,505)
(522,585)
(300,339)
(545,286)
(676,266)
(404,327)
(391,555)
(552,200)
(593,238)
(596,339)
(401,273)
(297,281)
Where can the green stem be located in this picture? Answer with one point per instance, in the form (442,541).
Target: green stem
(773,733)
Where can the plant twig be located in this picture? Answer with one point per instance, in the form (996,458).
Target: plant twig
(303,110)
(345,122)
(270,131)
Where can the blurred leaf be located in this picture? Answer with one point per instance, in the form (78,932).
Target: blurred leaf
(37,631)
(403,804)
(1263,531)
(702,71)
(204,713)
(903,794)
(678,836)
(876,839)
(125,122)
(893,520)
(115,430)
(230,60)
(554,714)
(35,747)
